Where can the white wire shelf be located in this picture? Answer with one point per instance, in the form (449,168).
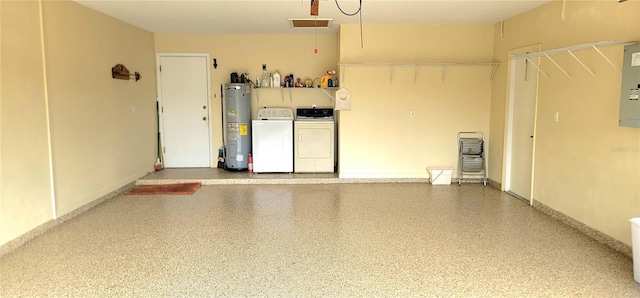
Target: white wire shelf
(570,50)
(416,65)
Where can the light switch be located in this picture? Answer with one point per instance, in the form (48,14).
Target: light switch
(556,116)
(412,114)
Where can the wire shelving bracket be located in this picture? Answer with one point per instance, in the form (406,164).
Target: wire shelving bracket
(570,50)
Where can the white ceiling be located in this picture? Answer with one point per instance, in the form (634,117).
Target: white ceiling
(271,16)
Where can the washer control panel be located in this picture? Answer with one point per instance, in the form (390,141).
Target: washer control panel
(275,114)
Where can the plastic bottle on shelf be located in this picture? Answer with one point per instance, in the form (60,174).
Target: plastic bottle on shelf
(324,82)
(286,82)
(265,76)
(276,80)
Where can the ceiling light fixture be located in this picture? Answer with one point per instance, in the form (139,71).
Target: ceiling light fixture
(320,23)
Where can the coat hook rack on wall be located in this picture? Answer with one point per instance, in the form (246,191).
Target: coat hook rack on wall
(121,72)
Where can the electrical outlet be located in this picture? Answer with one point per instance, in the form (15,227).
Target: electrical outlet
(412,114)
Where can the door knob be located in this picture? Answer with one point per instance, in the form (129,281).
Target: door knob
(204,118)
(204,107)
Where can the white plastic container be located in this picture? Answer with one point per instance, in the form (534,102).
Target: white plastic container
(440,175)
(276,80)
(635,246)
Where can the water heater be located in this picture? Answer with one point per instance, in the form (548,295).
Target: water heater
(237,124)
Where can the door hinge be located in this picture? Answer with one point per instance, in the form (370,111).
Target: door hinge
(160,68)
(164,149)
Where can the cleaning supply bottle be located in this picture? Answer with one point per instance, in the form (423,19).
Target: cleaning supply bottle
(324,82)
(265,76)
(276,80)
(250,163)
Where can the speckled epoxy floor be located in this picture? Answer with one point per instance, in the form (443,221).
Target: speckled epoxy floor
(407,239)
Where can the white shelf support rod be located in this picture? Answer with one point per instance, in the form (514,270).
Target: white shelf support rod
(605,58)
(493,72)
(558,66)
(538,68)
(579,61)
(328,94)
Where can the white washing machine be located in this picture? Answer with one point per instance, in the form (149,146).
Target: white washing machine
(314,145)
(272,141)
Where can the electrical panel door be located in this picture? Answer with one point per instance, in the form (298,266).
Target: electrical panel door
(629,101)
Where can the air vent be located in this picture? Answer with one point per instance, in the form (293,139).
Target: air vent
(310,23)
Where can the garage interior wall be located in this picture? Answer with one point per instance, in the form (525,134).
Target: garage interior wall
(288,54)
(25,189)
(586,166)
(103,131)
(378,138)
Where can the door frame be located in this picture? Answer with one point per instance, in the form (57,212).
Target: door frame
(509,113)
(209,113)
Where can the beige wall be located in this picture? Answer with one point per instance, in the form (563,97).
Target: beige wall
(25,196)
(99,143)
(289,54)
(586,166)
(377,137)
(103,130)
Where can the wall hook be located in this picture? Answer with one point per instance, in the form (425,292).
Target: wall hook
(121,72)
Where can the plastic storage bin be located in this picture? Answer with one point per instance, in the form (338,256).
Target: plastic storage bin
(440,175)
(635,246)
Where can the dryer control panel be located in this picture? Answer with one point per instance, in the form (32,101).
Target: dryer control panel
(314,114)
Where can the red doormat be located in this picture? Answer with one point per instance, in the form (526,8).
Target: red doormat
(165,189)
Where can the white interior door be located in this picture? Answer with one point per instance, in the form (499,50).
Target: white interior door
(522,119)
(183,87)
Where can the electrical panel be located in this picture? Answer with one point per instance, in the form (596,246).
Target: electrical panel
(629,96)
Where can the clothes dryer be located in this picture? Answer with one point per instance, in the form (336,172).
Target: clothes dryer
(314,144)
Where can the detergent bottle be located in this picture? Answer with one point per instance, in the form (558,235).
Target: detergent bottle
(324,82)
